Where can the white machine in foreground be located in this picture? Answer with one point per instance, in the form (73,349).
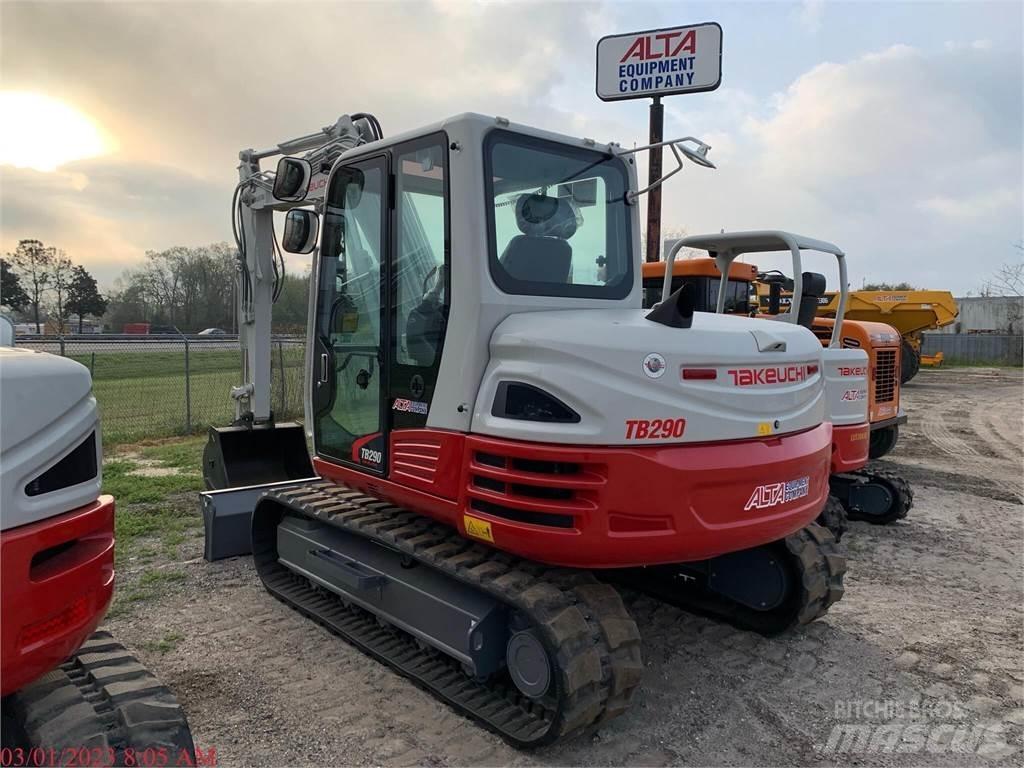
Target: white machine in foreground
(69,694)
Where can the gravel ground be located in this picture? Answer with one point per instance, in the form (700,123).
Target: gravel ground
(920,663)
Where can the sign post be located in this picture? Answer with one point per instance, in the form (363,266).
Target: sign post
(653,174)
(657,63)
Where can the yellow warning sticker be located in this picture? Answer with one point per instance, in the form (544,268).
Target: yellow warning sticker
(764,428)
(478,529)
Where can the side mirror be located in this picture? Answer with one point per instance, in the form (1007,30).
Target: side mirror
(292,180)
(300,231)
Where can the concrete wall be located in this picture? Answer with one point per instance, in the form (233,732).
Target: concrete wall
(988,314)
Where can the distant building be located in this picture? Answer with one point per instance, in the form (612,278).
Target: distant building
(988,314)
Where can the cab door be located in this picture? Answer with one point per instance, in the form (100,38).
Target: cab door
(350,363)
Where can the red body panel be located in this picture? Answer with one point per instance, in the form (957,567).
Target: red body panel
(53,603)
(590,507)
(850,447)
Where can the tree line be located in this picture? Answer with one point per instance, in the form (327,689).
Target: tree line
(181,289)
(42,283)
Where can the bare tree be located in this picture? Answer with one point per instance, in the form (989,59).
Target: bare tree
(62,273)
(1008,280)
(33,260)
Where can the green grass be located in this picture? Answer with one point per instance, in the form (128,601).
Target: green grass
(167,643)
(185,454)
(121,481)
(147,507)
(142,395)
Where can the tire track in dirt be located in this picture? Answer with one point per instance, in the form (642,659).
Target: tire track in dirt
(991,424)
(937,432)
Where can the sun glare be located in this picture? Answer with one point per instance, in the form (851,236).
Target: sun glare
(39,132)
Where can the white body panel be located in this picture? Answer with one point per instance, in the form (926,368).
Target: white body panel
(587,352)
(593,361)
(46,410)
(479,306)
(846,385)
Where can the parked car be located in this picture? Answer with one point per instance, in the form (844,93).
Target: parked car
(212,332)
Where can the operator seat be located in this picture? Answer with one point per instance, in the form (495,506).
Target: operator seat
(541,254)
(814,289)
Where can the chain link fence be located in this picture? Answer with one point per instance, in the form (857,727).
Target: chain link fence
(160,386)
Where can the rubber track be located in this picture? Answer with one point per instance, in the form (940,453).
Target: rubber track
(589,634)
(902,491)
(816,566)
(833,516)
(102,698)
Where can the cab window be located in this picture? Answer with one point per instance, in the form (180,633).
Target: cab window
(557,220)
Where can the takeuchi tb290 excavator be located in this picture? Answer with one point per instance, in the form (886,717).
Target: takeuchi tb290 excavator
(500,429)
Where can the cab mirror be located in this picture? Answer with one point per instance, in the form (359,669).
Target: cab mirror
(300,231)
(292,180)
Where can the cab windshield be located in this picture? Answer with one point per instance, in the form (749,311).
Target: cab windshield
(557,220)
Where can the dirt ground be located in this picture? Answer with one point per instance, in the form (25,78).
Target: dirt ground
(920,663)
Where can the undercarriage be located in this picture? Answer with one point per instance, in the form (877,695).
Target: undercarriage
(535,653)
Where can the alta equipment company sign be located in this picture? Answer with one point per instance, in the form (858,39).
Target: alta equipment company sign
(659,62)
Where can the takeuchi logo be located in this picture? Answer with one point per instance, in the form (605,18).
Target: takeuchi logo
(654,365)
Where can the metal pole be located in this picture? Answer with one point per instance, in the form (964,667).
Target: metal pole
(653,174)
(280,365)
(188,391)
(62,346)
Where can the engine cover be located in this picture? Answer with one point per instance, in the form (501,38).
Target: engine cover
(48,412)
(633,381)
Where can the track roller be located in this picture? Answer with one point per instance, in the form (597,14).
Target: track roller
(873,495)
(767,589)
(536,654)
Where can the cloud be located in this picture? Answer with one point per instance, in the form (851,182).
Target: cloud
(901,156)
(811,14)
(906,157)
(110,212)
(183,87)
(976,206)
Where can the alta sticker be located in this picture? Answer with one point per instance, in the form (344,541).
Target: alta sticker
(410,406)
(654,366)
(773,494)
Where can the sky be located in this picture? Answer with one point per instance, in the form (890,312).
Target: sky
(891,129)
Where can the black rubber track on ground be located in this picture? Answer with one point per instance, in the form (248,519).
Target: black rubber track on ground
(902,493)
(814,565)
(833,516)
(102,699)
(586,629)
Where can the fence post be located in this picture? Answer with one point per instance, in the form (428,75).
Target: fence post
(92,364)
(188,390)
(280,365)
(62,346)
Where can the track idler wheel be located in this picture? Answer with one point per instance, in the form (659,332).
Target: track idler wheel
(529,664)
(875,496)
(767,589)
(833,516)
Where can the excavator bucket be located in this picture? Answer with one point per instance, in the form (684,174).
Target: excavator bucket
(236,457)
